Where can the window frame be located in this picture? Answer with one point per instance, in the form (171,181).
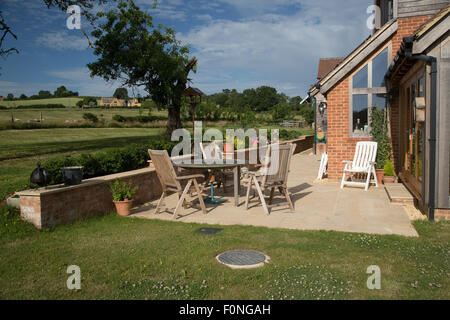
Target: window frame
(369,90)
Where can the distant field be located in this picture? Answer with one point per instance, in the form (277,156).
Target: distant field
(20,150)
(68,102)
(70,114)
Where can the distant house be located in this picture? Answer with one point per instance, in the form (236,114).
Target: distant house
(134,103)
(113,102)
(1,98)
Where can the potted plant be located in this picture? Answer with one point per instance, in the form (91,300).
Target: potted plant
(389,174)
(379,132)
(123,193)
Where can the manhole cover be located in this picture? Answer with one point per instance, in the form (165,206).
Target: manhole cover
(243,259)
(208,230)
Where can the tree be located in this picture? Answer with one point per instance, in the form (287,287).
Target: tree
(307,112)
(121,93)
(60,92)
(44,94)
(23,97)
(10,97)
(130,49)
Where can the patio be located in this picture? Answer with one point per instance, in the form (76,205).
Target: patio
(318,206)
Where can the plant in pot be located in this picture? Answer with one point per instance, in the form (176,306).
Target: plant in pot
(389,174)
(379,132)
(123,193)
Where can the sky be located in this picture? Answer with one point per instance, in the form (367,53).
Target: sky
(239,44)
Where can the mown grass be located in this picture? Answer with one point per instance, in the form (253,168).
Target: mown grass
(126,258)
(68,102)
(20,150)
(53,116)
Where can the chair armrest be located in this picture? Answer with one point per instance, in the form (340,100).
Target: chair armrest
(372,162)
(347,161)
(194,176)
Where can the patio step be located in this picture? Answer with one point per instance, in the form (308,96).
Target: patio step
(398,193)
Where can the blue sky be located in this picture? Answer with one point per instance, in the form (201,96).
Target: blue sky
(239,43)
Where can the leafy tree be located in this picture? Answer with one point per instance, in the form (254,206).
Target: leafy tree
(281,111)
(10,97)
(23,97)
(121,93)
(90,101)
(129,48)
(44,94)
(307,112)
(63,92)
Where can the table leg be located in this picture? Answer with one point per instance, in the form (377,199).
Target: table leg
(236,186)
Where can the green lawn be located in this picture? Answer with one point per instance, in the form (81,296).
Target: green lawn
(60,116)
(68,102)
(125,258)
(20,150)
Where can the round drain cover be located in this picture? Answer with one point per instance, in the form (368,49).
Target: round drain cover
(243,259)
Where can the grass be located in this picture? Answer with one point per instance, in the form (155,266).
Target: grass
(20,150)
(60,116)
(68,102)
(125,258)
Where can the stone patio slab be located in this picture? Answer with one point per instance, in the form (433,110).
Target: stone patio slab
(318,206)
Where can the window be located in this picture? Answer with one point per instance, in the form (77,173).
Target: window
(368,91)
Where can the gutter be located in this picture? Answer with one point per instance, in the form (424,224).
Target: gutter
(407,45)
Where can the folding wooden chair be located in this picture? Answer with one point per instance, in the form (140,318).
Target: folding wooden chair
(273,175)
(172,183)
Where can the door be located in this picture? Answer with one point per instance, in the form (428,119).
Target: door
(412,137)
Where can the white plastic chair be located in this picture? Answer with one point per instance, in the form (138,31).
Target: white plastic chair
(363,163)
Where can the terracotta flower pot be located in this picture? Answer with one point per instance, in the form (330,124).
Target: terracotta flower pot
(123,207)
(380,175)
(389,179)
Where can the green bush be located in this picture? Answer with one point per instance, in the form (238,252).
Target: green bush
(389,169)
(121,190)
(90,117)
(116,160)
(41,106)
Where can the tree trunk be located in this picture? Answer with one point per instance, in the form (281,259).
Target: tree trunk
(174,121)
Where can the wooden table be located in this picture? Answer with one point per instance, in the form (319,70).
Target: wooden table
(228,164)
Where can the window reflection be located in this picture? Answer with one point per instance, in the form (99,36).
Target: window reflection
(379,67)
(360,80)
(379,101)
(360,114)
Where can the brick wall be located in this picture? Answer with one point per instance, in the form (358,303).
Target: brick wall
(406,27)
(340,145)
(47,207)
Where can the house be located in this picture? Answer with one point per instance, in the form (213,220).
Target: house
(134,103)
(403,68)
(1,98)
(113,102)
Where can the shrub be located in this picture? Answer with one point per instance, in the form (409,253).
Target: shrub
(90,117)
(389,169)
(122,191)
(380,135)
(116,160)
(119,118)
(41,106)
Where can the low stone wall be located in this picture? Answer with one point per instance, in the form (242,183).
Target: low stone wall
(56,205)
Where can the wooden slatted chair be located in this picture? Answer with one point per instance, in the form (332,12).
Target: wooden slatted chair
(363,163)
(172,183)
(273,175)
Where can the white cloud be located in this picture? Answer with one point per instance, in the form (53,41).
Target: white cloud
(62,40)
(277,50)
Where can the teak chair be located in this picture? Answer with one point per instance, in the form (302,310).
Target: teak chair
(272,175)
(172,183)
(363,163)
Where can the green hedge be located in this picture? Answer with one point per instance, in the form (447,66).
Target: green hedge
(141,119)
(132,157)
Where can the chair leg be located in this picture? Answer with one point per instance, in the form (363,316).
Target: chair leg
(199,196)
(369,176)
(158,206)
(224,182)
(181,200)
(261,196)
(375,176)
(288,198)
(249,188)
(343,180)
(272,191)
